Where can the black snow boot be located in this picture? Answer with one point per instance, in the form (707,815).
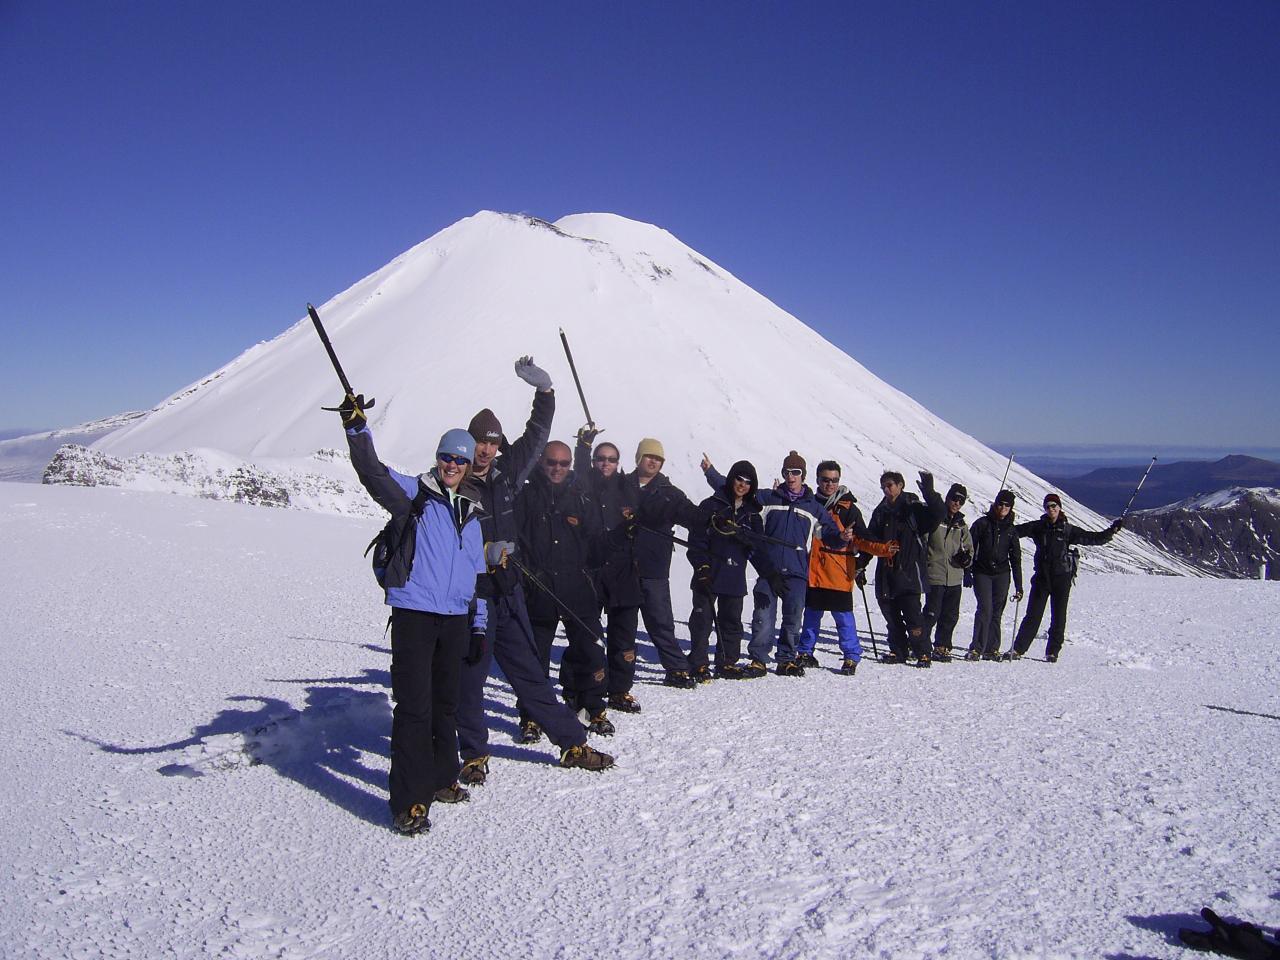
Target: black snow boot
(412,821)
(806,660)
(474,772)
(703,675)
(754,669)
(624,703)
(583,757)
(600,725)
(849,668)
(680,680)
(530,732)
(452,794)
(790,669)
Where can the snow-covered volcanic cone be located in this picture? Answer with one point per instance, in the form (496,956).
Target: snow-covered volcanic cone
(668,344)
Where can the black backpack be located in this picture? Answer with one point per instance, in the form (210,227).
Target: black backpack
(394,546)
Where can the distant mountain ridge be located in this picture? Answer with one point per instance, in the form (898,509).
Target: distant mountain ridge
(1233,532)
(1107,490)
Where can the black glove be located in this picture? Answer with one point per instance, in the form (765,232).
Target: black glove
(926,482)
(1117,525)
(1017,594)
(587,435)
(861,578)
(352,411)
(1242,940)
(778,584)
(968,578)
(702,578)
(475,650)
(962,558)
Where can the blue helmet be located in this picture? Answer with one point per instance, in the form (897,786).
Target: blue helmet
(459,443)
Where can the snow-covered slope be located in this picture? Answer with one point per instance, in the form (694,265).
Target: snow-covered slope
(668,343)
(194,745)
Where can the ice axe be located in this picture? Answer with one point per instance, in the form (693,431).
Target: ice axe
(591,424)
(1137,488)
(342,377)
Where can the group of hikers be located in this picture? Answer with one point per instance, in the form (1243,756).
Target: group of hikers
(501,542)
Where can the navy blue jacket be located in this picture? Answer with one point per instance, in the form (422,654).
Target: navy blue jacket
(725,554)
(910,522)
(794,522)
(618,579)
(560,545)
(660,505)
(498,489)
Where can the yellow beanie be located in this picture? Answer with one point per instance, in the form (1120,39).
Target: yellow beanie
(650,447)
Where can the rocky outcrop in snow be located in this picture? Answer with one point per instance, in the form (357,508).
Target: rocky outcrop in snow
(1233,532)
(214,476)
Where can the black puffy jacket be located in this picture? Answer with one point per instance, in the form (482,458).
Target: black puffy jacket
(996,549)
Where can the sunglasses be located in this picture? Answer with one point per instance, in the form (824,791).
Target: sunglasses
(959,500)
(452,458)
(557,463)
(828,479)
(600,459)
(793,472)
(742,480)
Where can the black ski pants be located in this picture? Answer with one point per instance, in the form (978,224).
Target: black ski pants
(582,673)
(426,663)
(620,648)
(992,593)
(510,642)
(904,624)
(942,613)
(1054,591)
(726,613)
(660,623)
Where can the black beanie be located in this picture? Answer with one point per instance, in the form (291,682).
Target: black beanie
(485,428)
(958,490)
(1005,499)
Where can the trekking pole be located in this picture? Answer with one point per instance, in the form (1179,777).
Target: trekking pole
(867,607)
(1137,488)
(559,603)
(576,382)
(333,357)
(1006,471)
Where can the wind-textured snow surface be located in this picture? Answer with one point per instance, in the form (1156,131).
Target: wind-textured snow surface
(668,343)
(195,747)
(1220,499)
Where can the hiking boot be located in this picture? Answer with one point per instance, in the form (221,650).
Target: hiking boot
(680,680)
(584,757)
(942,654)
(530,732)
(790,669)
(806,660)
(474,772)
(924,662)
(624,703)
(1051,658)
(849,668)
(973,655)
(938,652)
(703,675)
(411,821)
(453,794)
(754,669)
(1011,655)
(893,658)
(731,671)
(600,725)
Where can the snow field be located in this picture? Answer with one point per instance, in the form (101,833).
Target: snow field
(195,736)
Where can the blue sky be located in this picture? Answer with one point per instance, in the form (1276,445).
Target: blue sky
(1047,222)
